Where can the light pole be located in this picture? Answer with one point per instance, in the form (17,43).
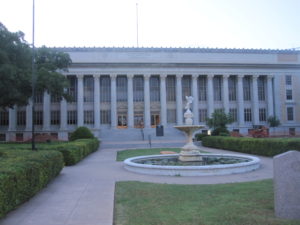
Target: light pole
(33,80)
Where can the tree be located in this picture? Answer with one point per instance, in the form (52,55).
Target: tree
(273,122)
(218,122)
(15,69)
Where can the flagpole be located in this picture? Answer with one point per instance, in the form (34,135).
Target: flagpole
(33,78)
(137,26)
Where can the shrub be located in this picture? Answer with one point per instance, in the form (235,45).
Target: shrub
(220,131)
(81,133)
(262,146)
(23,173)
(199,136)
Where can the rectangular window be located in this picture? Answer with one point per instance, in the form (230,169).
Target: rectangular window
(202,115)
(38,97)
(262,115)
(21,118)
(88,117)
(72,90)
(138,88)
(88,89)
(72,117)
(202,88)
(288,80)
(247,115)
(233,113)
(138,120)
(154,89)
(289,95)
(292,131)
(105,117)
(171,88)
(19,137)
(232,88)
(2,137)
(217,85)
(290,113)
(38,117)
(121,88)
(104,88)
(261,85)
(55,117)
(55,99)
(186,86)
(247,88)
(171,115)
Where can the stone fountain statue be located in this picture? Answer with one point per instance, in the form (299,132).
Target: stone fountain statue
(189,152)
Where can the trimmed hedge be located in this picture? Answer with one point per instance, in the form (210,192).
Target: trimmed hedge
(81,133)
(23,173)
(256,146)
(72,151)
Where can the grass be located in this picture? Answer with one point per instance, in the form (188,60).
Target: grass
(138,203)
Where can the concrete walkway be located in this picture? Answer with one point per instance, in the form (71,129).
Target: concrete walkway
(84,194)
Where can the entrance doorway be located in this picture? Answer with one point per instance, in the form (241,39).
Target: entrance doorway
(139,121)
(122,121)
(155,120)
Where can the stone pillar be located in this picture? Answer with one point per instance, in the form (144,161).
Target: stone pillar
(147,110)
(196,98)
(255,103)
(163,100)
(12,119)
(97,100)
(29,116)
(210,95)
(240,100)
(225,93)
(270,95)
(80,100)
(46,112)
(179,113)
(113,102)
(130,115)
(63,114)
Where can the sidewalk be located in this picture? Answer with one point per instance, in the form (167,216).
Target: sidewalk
(84,194)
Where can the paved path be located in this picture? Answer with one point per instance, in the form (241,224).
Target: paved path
(84,194)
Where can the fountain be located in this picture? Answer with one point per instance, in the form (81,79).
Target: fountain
(190,161)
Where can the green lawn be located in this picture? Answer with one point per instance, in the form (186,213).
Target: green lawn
(250,203)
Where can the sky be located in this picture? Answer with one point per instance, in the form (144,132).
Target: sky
(266,24)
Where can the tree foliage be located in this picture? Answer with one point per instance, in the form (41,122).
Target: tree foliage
(16,69)
(218,122)
(273,121)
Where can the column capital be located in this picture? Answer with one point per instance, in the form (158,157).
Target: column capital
(241,76)
(163,76)
(210,76)
(270,77)
(179,76)
(147,76)
(113,76)
(255,76)
(130,76)
(225,75)
(96,76)
(79,76)
(195,76)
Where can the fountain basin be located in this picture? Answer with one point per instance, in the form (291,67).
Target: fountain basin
(249,163)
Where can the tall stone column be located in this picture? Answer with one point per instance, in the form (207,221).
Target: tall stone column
(270,95)
(29,116)
(147,110)
(97,101)
(12,119)
(225,93)
(163,99)
(196,98)
(63,114)
(130,114)
(46,112)
(210,95)
(113,103)
(240,100)
(255,103)
(179,113)
(80,100)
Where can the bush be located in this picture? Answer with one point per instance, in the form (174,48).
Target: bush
(74,151)
(219,131)
(81,133)
(23,173)
(262,146)
(199,136)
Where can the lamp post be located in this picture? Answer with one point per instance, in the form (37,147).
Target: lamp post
(33,80)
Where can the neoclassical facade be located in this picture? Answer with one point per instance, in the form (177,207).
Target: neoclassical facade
(126,90)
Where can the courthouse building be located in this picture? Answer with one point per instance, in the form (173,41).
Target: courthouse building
(127,92)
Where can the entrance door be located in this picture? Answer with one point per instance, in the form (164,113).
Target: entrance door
(139,121)
(122,121)
(155,120)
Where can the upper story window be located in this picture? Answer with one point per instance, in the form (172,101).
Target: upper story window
(171,88)
(232,88)
(186,86)
(138,88)
(217,85)
(289,94)
(288,80)
(290,113)
(121,88)
(247,88)
(104,88)
(202,88)
(88,86)
(72,90)
(261,85)
(154,89)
